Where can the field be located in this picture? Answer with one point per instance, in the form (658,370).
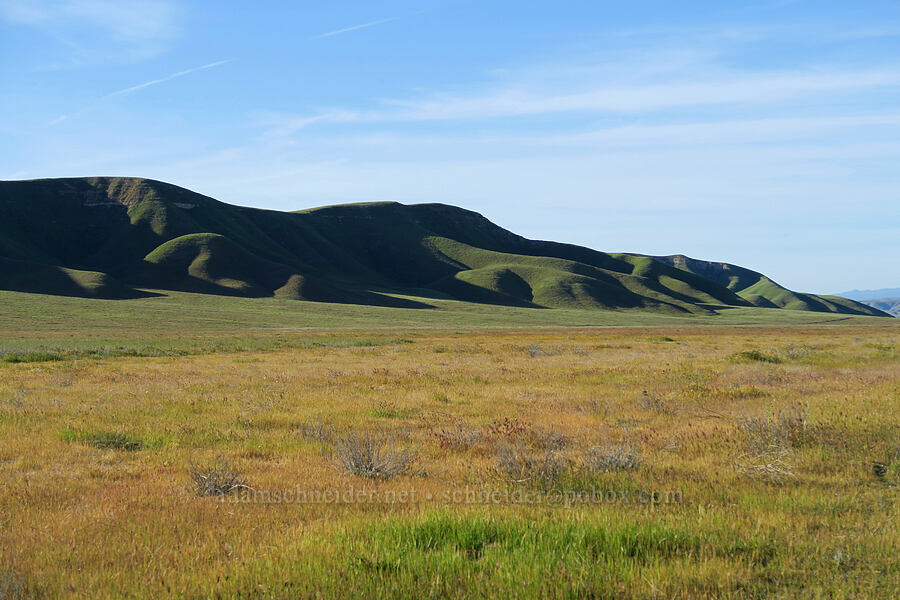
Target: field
(525,453)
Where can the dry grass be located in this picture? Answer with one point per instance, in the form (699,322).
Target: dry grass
(85,515)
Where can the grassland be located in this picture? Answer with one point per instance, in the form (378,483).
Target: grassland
(765,445)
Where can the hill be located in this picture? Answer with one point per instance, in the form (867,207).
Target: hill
(760,290)
(113,237)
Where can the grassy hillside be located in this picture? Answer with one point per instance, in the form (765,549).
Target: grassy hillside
(759,290)
(111,237)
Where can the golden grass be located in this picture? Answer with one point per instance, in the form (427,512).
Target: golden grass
(84,519)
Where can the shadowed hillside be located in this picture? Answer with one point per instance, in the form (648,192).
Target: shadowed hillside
(109,237)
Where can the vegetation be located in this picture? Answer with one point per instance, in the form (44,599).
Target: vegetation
(609,464)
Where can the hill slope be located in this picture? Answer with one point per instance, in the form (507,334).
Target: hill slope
(108,237)
(759,290)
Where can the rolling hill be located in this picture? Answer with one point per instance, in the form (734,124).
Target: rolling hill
(110,237)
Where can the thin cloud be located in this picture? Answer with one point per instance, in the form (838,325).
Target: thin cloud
(140,86)
(146,84)
(353,28)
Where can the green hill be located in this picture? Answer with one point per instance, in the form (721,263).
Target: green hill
(112,237)
(759,290)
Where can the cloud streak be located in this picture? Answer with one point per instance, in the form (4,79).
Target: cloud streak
(353,28)
(140,86)
(147,84)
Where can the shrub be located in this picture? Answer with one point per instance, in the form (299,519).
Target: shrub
(374,455)
(520,464)
(786,429)
(507,428)
(458,437)
(548,439)
(612,457)
(217,479)
(317,431)
(756,356)
(12,586)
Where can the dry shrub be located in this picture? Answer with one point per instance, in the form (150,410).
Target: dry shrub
(217,479)
(612,457)
(507,428)
(458,437)
(374,455)
(520,464)
(317,431)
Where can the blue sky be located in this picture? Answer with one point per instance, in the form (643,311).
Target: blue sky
(761,133)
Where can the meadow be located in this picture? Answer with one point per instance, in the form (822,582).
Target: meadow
(198,446)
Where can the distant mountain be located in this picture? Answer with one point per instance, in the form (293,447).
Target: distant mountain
(863,295)
(116,237)
(888,305)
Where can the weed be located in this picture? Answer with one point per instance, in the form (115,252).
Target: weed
(548,439)
(12,586)
(755,356)
(520,464)
(653,402)
(317,431)
(458,437)
(612,457)
(507,428)
(373,455)
(787,429)
(216,479)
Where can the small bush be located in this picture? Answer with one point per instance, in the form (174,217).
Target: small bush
(772,465)
(12,586)
(612,457)
(787,429)
(548,439)
(507,428)
(653,402)
(519,464)
(374,455)
(458,437)
(217,479)
(756,356)
(317,431)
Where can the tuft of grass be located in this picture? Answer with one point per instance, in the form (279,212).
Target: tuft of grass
(216,479)
(385,410)
(105,440)
(756,356)
(373,455)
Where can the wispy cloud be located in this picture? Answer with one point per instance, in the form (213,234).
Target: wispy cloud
(140,28)
(141,86)
(353,28)
(523,99)
(146,84)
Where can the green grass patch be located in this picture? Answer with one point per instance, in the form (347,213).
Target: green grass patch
(110,440)
(30,357)
(756,356)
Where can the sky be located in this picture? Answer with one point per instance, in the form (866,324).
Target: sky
(765,134)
